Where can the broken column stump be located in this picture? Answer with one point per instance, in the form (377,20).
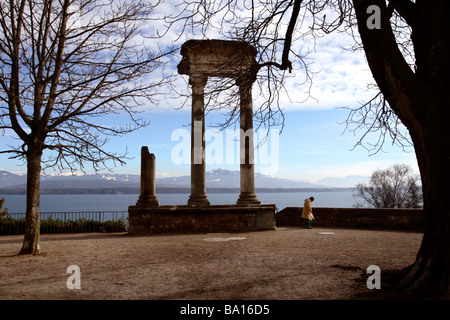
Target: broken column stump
(147,198)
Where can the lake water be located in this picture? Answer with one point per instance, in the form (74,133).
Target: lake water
(120,202)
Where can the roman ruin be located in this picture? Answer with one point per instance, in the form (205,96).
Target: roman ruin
(204,59)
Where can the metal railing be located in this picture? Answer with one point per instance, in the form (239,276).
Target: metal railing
(68,222)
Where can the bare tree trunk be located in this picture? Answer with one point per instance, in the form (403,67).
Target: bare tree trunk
(429,275)
(32,222)
(52,84)
(420,99)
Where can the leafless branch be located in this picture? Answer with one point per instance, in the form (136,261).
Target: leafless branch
(376,118)
(63,64)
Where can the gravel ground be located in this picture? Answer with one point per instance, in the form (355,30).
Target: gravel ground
(286,264)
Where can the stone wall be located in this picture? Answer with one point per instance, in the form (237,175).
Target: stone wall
(202,219)
(387,219)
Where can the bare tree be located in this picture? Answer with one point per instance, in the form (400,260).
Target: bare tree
(418,97)
(406,49)
(394,187)
(64,64)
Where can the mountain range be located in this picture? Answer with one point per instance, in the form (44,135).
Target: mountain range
(219,179)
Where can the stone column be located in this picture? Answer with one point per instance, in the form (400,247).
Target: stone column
(247,169)
(147,197)
(198,168)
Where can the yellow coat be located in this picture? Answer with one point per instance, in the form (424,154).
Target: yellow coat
(307,210)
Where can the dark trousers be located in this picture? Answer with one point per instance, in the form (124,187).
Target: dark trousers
(307,224)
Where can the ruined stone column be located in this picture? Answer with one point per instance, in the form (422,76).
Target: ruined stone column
(247,170)
(198,167)
(148,197)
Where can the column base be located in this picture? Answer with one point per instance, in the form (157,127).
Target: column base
(198,200)
(147,201)
(247,198)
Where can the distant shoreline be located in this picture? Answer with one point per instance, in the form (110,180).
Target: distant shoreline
(163,190)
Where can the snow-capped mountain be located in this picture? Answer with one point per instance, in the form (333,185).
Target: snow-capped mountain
(221,178)
(343,182)
(218,178)
(12,180)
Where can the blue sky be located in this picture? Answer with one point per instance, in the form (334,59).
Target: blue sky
(313,144)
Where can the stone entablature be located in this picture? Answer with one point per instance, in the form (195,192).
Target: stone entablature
(218,58)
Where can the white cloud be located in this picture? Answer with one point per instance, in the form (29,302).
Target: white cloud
(340,77)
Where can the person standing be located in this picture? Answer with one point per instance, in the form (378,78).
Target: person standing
(307,213)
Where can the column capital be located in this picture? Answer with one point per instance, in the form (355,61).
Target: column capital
(245,81)
(198,79)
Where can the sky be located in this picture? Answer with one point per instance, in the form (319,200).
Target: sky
(312,145)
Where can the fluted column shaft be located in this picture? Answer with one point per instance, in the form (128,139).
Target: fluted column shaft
(247,166)
(198,167)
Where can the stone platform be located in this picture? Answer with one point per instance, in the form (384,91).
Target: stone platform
(201,219)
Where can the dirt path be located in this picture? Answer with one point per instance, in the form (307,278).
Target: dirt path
(290,263)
